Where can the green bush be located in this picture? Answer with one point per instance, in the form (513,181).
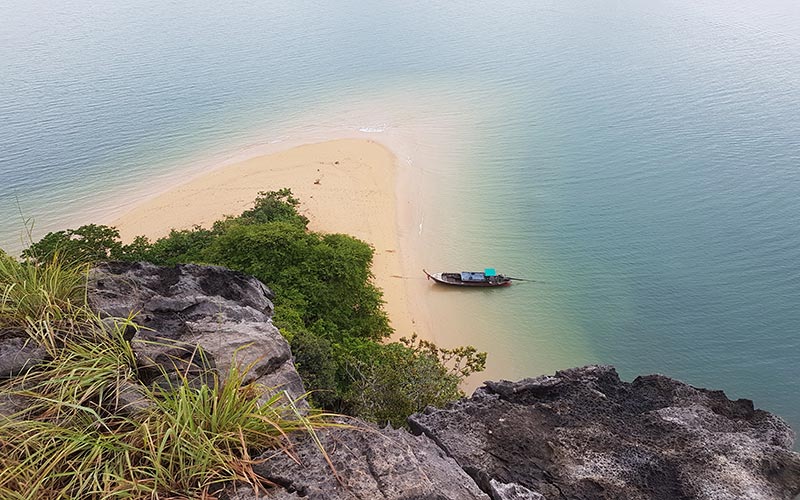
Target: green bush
(88,243)
(392,381)
(178,247)
(316,362)
(323,277)
(272,206)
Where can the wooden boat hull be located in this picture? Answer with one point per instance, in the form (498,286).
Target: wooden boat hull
(454,279)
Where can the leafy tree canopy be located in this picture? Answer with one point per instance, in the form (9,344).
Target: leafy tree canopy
(88,243)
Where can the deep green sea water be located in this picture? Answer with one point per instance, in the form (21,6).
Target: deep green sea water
(640,159)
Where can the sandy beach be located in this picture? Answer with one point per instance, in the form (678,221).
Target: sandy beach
(344,186)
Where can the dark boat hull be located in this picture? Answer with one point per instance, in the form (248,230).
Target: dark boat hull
(454,279)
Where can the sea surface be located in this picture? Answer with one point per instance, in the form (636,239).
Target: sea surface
(639,159)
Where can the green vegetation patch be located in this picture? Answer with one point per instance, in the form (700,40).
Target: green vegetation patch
(326,304)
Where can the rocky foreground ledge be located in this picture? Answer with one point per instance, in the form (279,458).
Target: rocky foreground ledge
(583,433)
(579,434)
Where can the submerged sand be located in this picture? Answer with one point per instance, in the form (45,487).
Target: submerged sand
(344,186)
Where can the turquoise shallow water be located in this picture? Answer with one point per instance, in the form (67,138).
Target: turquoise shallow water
(640,159)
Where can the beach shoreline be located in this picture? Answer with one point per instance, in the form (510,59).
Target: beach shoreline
(344,186)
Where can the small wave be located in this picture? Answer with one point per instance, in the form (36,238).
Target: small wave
(373,130)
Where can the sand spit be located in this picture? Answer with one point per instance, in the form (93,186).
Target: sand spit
(345,186)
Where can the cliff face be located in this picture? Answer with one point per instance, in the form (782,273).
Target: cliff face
(579,434)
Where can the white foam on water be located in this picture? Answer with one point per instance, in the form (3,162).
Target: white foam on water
(373,130)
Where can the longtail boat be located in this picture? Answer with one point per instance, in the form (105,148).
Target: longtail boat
(488,277)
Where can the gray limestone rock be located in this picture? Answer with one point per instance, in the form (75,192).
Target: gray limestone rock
(584,433)
(185,306)
(19,353)
(369,464)
(512,491)
(129,400)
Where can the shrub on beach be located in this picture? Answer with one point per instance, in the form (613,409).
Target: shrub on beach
(392,381)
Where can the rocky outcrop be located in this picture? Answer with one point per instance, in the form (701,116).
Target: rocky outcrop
(187,307)
(585,434)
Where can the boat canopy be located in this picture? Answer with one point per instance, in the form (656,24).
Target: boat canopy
(473,276)
(489,271)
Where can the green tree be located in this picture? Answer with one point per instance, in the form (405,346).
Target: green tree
(138,249)
(323,277)
(180,246)
(316,363)
(88,243)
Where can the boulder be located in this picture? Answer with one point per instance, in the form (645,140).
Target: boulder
(197,320)
(585,434)
(19,353)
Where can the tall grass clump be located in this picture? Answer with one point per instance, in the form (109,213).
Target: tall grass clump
(80,424)
(186,443)
(33,292)
(196,439)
